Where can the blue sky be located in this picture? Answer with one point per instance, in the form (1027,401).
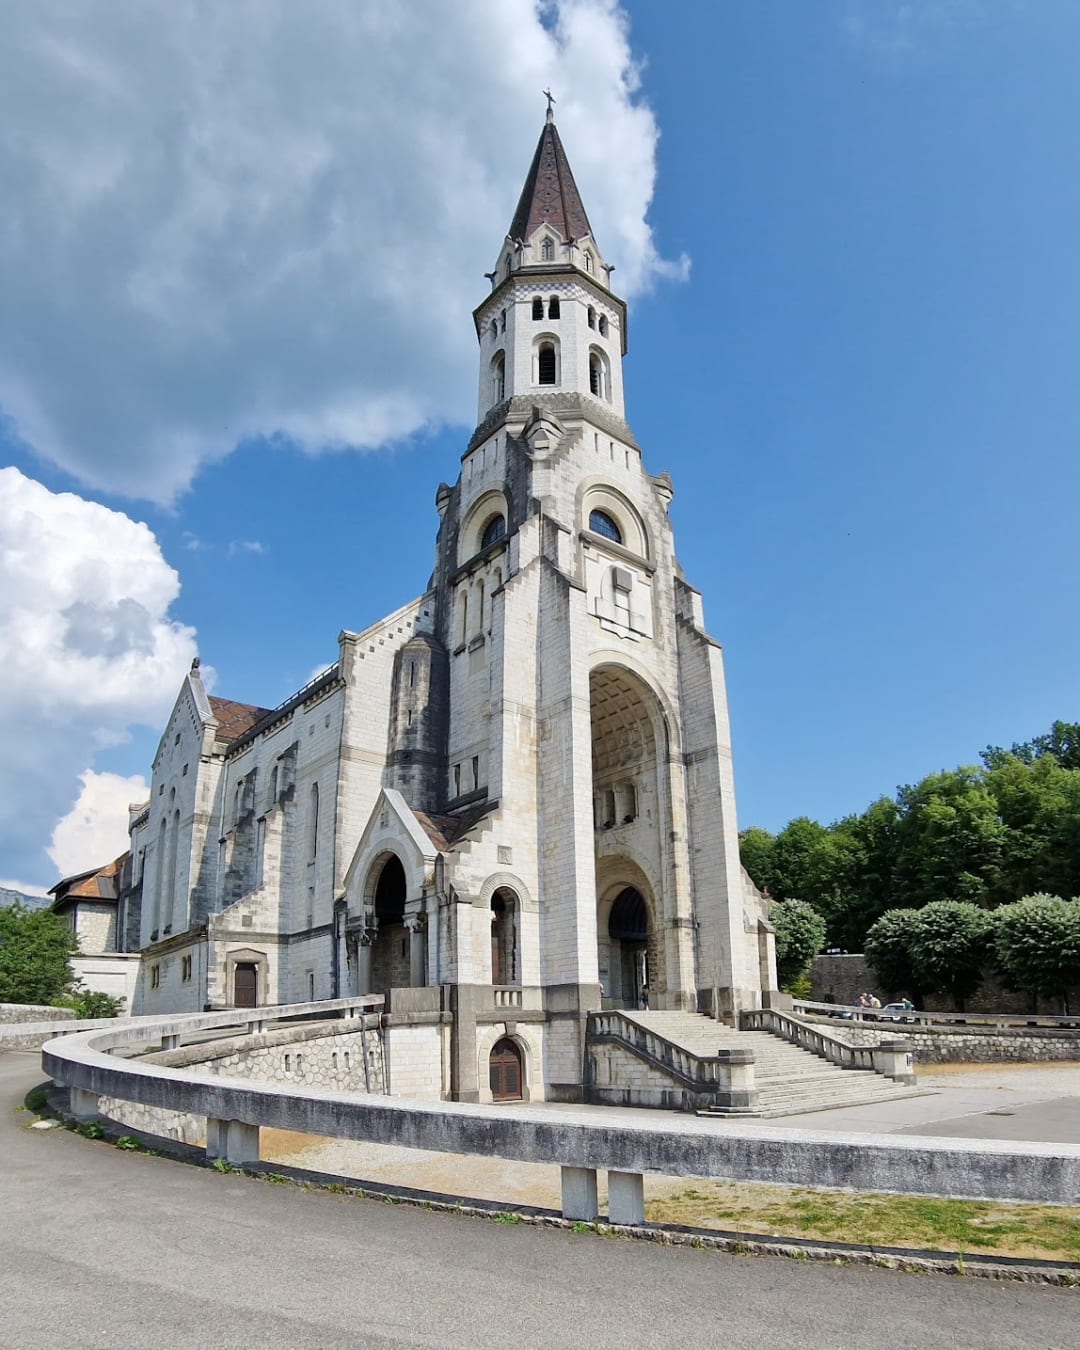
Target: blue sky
(863,389)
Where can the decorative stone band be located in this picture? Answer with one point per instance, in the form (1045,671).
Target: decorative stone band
(579,1142)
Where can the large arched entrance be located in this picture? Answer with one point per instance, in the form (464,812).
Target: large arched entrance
(390,952)
(632,827)
(628,935)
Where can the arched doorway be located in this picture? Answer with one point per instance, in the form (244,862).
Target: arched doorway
(504,924)
(504,1071)
(628,933)
(390,953)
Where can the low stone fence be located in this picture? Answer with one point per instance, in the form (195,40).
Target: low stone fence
(955,1038)
(33,1012)
(626,1145)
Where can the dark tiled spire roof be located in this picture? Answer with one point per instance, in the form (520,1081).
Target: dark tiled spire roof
(550,193)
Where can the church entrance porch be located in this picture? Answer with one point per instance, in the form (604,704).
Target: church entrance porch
(390,966)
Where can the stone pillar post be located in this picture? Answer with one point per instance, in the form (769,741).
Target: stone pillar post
(364,944)
(579,1193)
(84,1104)
(895,1059)
(417,928)
(626,1197)
(234,1140)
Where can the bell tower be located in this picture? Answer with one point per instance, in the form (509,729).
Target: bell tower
(552,323)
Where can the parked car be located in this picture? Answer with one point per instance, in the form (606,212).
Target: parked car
(897,1012)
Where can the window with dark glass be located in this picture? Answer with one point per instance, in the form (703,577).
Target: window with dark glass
(553,307)
(538,307)
(546,363)
(601,523)
(494,530)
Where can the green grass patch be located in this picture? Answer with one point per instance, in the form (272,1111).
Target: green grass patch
(1047,1232)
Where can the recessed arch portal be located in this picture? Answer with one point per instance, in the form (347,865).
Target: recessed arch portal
(632,824)
(386,891)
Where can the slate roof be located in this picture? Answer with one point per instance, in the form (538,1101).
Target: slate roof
(235,719)
(445,831)
(550,193)
(99,883)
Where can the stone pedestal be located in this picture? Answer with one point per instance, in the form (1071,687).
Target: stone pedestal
(895,1059)
(84,1105)
(234,1140)
(579,1193)
(626,1197)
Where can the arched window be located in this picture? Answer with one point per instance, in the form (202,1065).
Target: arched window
(588,261)
(592,317)
(546,364)
(494,530)
(601,523)
(464,614)
(498,378)
(538,307)
(313,819)
(553,307)
(273,785)
(547,250)
(597,376)
(603,326)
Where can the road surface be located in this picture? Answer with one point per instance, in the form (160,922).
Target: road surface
(106,1250)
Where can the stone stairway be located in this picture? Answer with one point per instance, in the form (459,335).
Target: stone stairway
(789,1079)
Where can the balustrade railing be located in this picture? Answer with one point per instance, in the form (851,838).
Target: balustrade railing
(808,1037)
(704,1072)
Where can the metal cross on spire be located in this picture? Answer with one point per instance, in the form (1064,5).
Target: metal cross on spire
(551,102)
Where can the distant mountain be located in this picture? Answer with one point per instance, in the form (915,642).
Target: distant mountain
(9,897)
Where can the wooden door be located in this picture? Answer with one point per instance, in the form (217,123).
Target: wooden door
(505,1071)
(246,985)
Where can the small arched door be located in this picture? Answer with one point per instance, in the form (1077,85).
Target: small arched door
(504,1071)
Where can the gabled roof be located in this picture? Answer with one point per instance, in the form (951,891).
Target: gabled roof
(234,719)
(550,193)
(445,831)
(99,883)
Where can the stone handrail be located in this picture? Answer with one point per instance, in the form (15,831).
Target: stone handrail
(808,1037)
(892,1057)
(625,1143)
(919,1016)
(704,1073)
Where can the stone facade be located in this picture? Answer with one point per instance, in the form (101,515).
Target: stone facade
(517,787)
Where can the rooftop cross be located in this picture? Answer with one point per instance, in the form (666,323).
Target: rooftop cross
(550,117)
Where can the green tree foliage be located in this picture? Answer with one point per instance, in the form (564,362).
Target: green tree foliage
(86,1003)
(800,935)
(35,951)
(1037,944)
(951,944)
(888,950)
(986,835)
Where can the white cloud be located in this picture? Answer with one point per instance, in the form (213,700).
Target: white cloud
(95,830)
(896,29)
(256,219)
(238,546)
(89,649)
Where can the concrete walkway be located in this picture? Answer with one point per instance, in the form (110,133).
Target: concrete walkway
(114,1251)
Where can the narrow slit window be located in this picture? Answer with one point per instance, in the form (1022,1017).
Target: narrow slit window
(547,251)
(553,307)
(546,364)
(537,307)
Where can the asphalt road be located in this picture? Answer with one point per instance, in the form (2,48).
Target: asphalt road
(106,1250)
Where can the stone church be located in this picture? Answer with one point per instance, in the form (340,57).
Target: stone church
(511,802)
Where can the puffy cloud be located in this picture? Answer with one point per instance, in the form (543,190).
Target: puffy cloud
(260,218)
(95,830)
(89,650)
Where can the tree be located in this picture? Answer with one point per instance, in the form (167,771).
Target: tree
(1062,741)
(950,947)
(756,850)
(35,951)
(888,951)
(1037,944)
(950,839)
(800,935)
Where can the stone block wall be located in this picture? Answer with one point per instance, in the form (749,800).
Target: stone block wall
(967,1045)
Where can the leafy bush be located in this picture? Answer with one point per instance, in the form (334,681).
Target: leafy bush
(1037,944)
(87,1003)
(800,935)
(35,955)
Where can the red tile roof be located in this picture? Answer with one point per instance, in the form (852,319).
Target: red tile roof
(550,193)
(234,719)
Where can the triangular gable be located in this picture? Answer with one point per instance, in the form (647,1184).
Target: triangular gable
(392,818)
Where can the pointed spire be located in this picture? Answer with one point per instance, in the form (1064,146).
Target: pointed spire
(550,193)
